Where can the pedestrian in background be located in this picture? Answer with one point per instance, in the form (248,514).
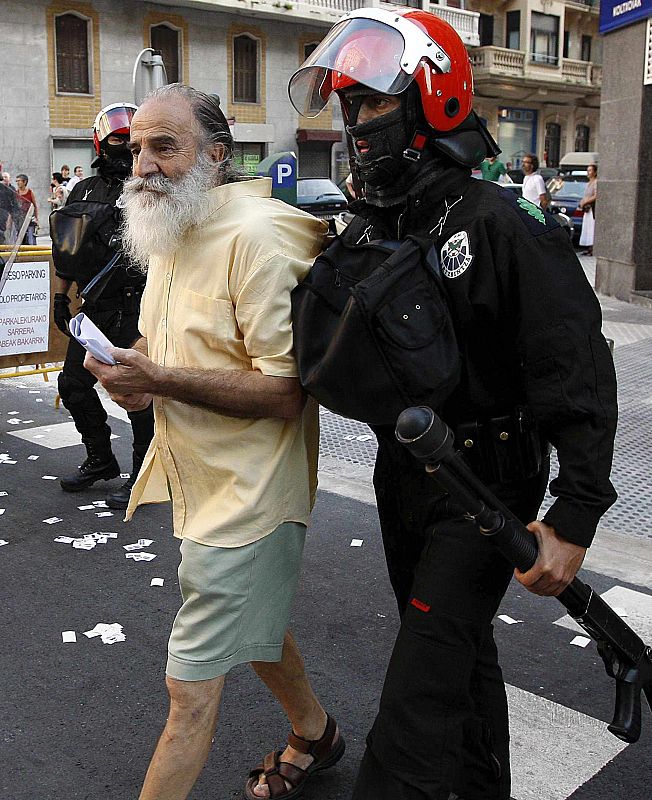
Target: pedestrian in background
(534,187)
(587,205)
(65,172)
(26,198)
(58,192)
(492,169)
(78,176)
(6,179)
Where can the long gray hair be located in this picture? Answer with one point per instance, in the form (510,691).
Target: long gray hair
(212,123)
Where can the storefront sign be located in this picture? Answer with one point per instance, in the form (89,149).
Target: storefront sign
(24,309)
(618,13)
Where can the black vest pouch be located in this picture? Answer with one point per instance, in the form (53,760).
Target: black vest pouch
(80,233)
(372,330)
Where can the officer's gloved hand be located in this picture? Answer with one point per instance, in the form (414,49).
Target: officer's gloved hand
(62,315)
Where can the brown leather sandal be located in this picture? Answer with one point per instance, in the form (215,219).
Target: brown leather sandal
(325,751)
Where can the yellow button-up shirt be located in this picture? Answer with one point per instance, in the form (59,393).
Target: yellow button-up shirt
(222,301)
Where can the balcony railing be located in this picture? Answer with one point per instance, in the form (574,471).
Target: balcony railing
(464,22)
(498,59)
(577,71)
(337,5)
(502,61)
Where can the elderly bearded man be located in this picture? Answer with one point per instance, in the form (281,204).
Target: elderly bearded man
(235,441)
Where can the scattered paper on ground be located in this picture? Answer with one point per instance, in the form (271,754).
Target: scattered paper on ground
(509,620)
(140,556)
(580,641)
(356,542)
(109,632)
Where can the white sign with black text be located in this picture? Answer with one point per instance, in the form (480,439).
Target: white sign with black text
(25,309)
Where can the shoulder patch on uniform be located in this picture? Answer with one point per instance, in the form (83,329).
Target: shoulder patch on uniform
(532,210)
(534,218)
(456,256)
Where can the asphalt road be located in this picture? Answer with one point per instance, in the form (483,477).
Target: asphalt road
(80,720)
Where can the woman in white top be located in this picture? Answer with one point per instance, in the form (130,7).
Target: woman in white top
(587,204)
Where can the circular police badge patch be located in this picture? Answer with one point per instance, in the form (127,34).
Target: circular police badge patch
(456,257)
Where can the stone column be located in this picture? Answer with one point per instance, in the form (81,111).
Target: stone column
(623,240)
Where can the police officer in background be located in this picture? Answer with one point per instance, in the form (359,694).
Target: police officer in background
(84,241)
(535,370)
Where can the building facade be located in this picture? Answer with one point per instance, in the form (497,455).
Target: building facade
(538,75)
(536,64)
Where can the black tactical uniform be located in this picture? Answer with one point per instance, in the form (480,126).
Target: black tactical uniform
(115,313)
(536,370)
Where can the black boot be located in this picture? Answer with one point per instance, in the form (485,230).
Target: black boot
(99,464)
(120,498)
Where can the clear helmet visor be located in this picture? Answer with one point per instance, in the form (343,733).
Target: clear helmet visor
(355,51)
(113,120)
(372,47)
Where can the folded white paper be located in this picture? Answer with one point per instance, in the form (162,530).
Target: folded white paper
(91,337)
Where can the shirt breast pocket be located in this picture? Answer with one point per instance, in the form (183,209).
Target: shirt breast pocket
(200,324)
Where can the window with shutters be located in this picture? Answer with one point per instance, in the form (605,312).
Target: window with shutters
(72,48)
(544,39)
(486,30)
(552,144)
(582,134)
(245,69)
(513,30)
(167,39)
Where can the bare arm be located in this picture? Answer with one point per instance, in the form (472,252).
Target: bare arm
(235,393)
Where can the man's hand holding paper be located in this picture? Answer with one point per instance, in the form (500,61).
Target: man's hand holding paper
(131,380)
(89,336)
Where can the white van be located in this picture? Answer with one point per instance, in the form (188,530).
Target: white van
(572,162)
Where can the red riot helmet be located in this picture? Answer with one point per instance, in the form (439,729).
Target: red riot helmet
(112,120)
(387,51)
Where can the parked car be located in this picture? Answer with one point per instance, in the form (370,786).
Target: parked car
(320,196)
(563,218)
(566,191)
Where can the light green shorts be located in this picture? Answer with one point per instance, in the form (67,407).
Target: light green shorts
(236,603)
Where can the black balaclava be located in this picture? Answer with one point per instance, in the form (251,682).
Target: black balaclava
(114,160)
(387,175)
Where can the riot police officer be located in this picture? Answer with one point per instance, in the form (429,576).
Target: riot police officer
(84,242)
(535,370)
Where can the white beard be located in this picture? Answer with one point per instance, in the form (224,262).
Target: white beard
(158,210)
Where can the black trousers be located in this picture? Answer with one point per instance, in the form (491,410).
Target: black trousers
(76,384)
(442,725)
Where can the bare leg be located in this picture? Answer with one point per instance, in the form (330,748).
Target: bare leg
(183,748)
(289,683)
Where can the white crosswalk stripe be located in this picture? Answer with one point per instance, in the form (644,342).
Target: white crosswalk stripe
(554,749)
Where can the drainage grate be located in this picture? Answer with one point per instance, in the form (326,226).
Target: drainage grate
(340,438)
